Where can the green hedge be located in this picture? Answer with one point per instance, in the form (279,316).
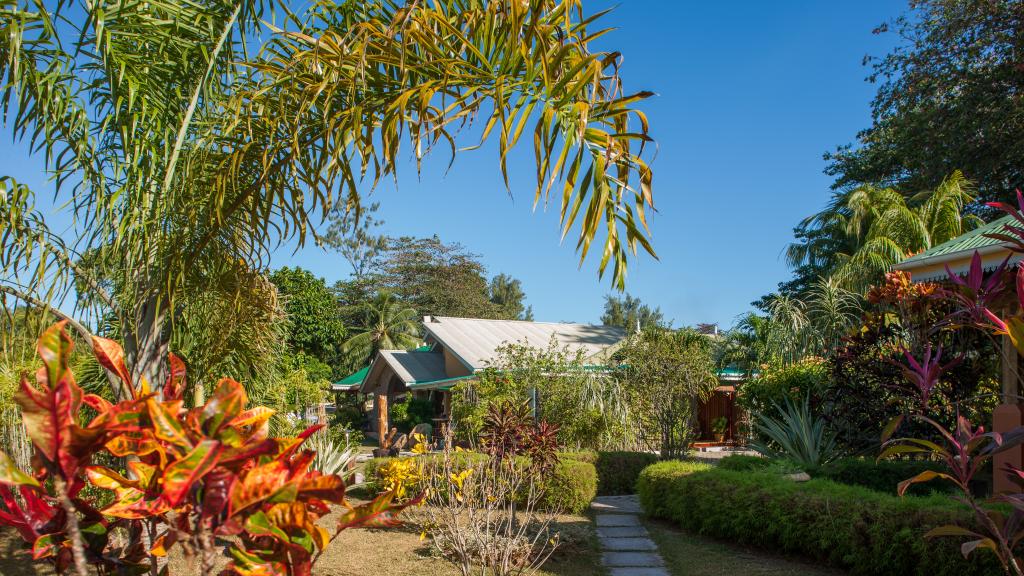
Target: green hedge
(569,488)
(616,471)
(879,476)
(851,527)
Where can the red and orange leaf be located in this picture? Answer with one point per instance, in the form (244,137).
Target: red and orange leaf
(110,355)
(166,425)
(228,401)
(330,488)
(181,475)
(175,386)
(258,484)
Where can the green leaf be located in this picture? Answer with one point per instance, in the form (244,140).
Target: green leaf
(11,475)
(180,476)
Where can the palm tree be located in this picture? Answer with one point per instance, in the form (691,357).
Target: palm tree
(184,155)
(831,311)
(388,324)
(863,232)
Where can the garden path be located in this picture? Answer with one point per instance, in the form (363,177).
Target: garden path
(627,549)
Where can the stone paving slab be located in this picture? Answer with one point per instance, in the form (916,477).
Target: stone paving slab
(641,559)
(616,520)
(616,505)
(629,544)
(637,571)
(622,532)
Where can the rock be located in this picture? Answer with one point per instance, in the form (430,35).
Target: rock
(798,477)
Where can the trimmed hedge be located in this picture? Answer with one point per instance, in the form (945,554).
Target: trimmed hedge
(569,488)
(878,476)
(850,527)
(616,471)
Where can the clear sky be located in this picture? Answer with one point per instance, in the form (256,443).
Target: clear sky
(749,96)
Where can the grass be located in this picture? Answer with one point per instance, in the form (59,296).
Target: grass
(687,554)
(393,552)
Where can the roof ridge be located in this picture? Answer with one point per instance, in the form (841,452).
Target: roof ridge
(525,321)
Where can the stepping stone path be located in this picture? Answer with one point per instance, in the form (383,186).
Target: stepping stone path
(627,549)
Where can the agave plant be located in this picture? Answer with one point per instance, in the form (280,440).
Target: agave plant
(332,458)
(796,434)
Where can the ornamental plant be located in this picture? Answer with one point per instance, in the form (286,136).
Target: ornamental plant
(965,449)
(191,475)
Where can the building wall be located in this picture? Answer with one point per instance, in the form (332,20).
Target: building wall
(453,366)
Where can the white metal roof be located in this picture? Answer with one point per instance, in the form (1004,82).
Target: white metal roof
(475,341)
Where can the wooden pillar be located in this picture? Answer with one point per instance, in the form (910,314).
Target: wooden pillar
(382,417)
(1007,416)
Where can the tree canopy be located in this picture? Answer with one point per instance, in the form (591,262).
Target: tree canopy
(314,322)
(948,99)
(629,312)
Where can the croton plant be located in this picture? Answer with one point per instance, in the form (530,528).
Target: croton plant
(202,479)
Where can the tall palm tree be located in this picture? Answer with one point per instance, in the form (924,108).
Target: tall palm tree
(831,311)
(863,232)
(184,154)
(388,324)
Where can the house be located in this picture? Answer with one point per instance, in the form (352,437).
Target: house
(457,349)
(956,255)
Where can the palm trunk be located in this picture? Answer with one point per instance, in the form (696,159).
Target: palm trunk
(146,345)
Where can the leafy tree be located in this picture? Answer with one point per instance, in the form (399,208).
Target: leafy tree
(314,325)
(436,279)
(589,407)
(864,231)
(948,98)
(629,312)
(185,155)
(507,292)
(667,374)
(386,324)
(351,234)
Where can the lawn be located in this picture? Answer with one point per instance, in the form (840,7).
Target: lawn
(395,552)
(688,554)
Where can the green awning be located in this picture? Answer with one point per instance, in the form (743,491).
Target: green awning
(353,380)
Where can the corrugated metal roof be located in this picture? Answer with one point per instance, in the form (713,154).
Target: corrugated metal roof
(415,366)
(475,341)
(969,242)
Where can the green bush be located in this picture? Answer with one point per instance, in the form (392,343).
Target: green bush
(882,476)
(742,462)
(808,378)
(406,415)
(569,488)
(850,527)
(617,471)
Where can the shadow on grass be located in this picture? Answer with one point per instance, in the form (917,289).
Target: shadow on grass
(15,559)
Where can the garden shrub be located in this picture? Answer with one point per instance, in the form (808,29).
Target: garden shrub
(850,527)
(570,488)
(617,471)
(807,378)
(742,462)
(882,476)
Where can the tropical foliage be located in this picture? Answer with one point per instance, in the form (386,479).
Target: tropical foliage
(792,431)
(193,476)
(170,158)
(864,231)
(666,374)
(629,313)
(386,324)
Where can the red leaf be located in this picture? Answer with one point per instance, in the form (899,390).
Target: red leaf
(110,355)
(175,385)
(330,488)
(184,473)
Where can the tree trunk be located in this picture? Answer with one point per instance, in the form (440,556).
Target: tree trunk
(146,345)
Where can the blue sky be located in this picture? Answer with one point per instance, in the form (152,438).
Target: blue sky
(749,96)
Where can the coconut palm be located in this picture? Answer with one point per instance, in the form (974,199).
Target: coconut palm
(864,231)
(388,324)
(184,154)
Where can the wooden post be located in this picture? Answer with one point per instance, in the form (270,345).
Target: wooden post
(382,417)
(1007,416)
